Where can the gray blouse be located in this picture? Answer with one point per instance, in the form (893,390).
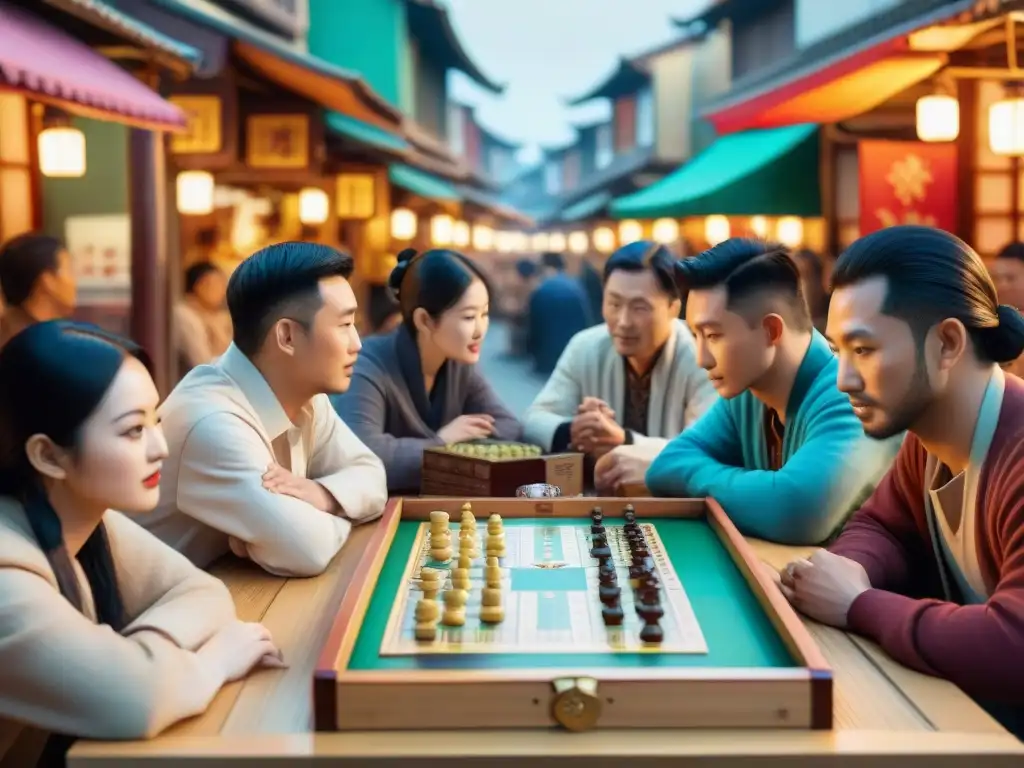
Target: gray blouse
(389,409)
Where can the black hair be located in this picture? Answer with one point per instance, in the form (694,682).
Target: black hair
(53,376)
(1012,251)
(932,275)
(750,270)
(553,260)
(197,272)
(526,268)
(644,256)
(23,260)
(434,280)
(281,280)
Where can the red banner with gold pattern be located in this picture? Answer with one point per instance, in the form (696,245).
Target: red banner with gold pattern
(907,182)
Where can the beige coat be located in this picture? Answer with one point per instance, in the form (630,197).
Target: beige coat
(590,367)
(224,427)
(60,671)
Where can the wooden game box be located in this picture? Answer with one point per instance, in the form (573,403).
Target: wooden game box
(352,691)
(448,474)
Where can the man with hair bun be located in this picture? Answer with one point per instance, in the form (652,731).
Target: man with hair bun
(932,565)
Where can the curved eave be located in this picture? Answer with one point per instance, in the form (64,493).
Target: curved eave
(627,78)
(432,27)
(172,54)
(500,141)
(208,14)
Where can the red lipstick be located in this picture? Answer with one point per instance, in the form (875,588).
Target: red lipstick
(152,481)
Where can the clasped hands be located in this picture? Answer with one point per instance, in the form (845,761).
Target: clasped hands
(594,430)
(823,586)
(277,479)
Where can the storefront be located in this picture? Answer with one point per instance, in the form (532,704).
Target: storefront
(922,120)
(55,90)
(762,183)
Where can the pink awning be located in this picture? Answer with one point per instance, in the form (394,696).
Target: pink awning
(53,67)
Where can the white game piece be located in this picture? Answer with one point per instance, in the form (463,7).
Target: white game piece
(440,541)
(454,608)
(438,516)
(492,614)
(492,575)
(490,596)
(442,555)
(460,578)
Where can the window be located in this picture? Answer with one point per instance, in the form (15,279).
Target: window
(17,214)
(645,118)
(553,177)
(456,130)
(764,39)
(604,151)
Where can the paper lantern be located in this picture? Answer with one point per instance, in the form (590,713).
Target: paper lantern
(403,224)
(194,192)
(441,227)
(716,229)
(1006,127)
(314,206)
(938,118)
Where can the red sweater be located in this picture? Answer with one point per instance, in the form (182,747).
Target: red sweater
(978,647)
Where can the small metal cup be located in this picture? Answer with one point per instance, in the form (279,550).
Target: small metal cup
(538,491)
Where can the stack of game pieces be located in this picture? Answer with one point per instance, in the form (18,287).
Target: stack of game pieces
(440,537)
(467,536)
(648,608)
(460,578)
(610,594)
(491,609)
(495,537)
(596,521)
(431,581)
(492,573)
(427,614)
(454,607)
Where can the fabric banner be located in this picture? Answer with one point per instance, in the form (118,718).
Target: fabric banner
(907,182)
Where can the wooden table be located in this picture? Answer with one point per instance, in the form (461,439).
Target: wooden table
(885,714)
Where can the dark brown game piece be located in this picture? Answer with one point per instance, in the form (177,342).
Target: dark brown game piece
(597,528)
(609,594)
(651,613)
(629,513)
(612,615)
(652,633)
(606,574)
(648,596)
(595,515)
(601,552)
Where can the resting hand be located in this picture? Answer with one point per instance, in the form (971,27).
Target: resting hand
(277,479)
(824,586)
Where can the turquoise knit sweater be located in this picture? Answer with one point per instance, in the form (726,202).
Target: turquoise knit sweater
(829,466)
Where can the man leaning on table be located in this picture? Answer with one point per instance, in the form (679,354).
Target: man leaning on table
(782,450)
(932,565)
(260,463)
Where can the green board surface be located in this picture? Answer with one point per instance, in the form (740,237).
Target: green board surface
(737,631)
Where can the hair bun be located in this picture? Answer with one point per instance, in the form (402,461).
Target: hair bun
(405,258)
(1005,342)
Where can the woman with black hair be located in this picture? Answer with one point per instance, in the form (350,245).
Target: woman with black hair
(418,386)
(105,632)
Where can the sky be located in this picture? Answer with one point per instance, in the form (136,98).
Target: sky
(547,51)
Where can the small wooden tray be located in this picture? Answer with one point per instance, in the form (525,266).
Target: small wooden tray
(794,696)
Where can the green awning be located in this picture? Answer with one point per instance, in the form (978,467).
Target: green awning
(586,208)
(365,133)
(421,183)
(772,172)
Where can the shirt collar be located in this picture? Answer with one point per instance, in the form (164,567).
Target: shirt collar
(256,390)
(818,355)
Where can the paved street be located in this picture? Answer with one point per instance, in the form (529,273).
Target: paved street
(512,378)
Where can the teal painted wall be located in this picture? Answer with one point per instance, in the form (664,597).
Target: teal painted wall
(104,187)
(366,36)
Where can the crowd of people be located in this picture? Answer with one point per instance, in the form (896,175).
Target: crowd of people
(876,421)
